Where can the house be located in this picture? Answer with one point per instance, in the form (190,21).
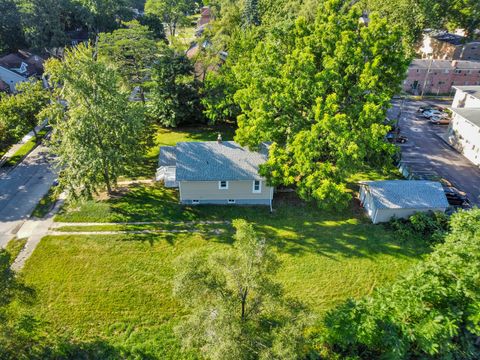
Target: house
(464,129)
(10,78)
(442,45)
(383,200)
(215,172)
(19,67)
(440,76)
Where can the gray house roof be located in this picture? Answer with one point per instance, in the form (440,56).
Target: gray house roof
(407,194)
(213,161)
(473,90)
(470,114)
(168,156)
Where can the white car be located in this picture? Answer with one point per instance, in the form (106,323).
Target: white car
(429,113)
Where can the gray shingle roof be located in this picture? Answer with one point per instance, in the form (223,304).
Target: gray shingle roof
(212,161)
(471,90)
(407,194)
(168,156)
(471,114)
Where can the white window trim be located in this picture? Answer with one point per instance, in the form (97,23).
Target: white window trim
(259,188)
(220,185)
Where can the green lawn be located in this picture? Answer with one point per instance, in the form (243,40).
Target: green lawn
(114,291)
(118,287)
(25,149)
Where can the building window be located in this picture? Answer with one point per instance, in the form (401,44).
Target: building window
(195,202)
(257,186)
(223,185)
(230,201)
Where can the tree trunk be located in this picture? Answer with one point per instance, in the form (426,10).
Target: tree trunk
(244,303)
(37,140)
(106,178)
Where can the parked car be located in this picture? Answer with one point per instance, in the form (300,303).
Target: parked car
(429,113)
(456,197)
(436,120)
(421,109)
(395,138)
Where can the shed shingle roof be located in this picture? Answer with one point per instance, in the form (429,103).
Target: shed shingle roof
(212,161)
(407,194)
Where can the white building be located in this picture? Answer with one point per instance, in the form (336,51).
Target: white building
(464,130)
(384,200)
(11,78)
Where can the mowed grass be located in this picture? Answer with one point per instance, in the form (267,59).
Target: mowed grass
(119,287)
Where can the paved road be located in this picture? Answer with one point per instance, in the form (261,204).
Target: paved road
(21,189)
(425,151)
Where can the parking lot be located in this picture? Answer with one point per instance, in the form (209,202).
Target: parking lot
(425,151)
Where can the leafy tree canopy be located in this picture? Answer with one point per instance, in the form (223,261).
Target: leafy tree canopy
(99,132)
(432,312)
(236,310)
(320,93)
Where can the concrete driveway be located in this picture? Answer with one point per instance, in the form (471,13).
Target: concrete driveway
(21,189)
(426,151)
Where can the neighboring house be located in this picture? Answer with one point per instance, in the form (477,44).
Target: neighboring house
(205,16)
(464,129)
(19,67)
(466,97)
(216,172)
(448,46)
(11,78)
(440,76)
(384,200)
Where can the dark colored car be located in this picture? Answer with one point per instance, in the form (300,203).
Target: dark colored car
(421,109)
(455,196)
(395,138)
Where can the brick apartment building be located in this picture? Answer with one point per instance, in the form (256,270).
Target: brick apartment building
(430,76)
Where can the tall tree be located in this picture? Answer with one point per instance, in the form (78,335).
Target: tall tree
(99,133)
(236,310)
(173,96)
(320,94)
(171,12)
(44,22)
(433,312)
(11,32)
(132,49)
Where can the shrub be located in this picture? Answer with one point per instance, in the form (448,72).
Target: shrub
(429,226)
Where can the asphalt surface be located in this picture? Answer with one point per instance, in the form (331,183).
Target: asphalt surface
(426,151)
(21,189)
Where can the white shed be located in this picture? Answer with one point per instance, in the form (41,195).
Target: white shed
(383,200)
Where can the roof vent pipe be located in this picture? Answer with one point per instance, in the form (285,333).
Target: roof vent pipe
(219,138)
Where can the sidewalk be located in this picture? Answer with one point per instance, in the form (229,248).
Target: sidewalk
(35,230)
(22,142)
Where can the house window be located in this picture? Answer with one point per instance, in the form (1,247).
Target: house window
(195,202)
(257,186)
(231,201)
(223,185)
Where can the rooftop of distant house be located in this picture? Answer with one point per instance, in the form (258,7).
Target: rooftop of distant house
(470,114)
(470,90)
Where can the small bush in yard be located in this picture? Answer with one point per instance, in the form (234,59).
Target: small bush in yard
(430,226)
